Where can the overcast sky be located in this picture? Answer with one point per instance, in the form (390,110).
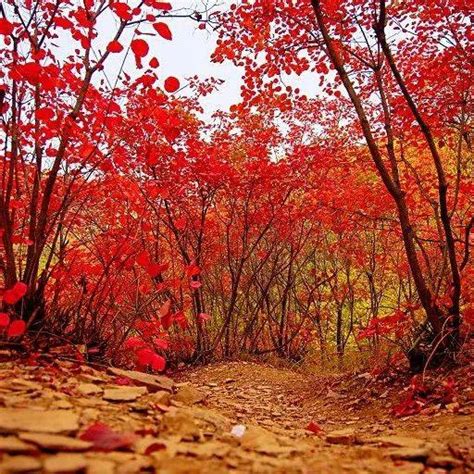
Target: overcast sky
(187,55)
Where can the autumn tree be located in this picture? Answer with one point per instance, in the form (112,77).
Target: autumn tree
(404,70)
(57,105)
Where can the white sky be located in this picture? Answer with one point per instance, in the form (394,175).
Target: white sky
(187,55)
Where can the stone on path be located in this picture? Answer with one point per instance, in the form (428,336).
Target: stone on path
(153,382)
(188,395)
(124,394)
(55,442)
(19,464)
(41,421)
(346,436)
(11,444)
(64,463)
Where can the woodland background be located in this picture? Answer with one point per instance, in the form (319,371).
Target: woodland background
(330,227)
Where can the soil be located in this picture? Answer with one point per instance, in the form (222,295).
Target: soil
(242,417)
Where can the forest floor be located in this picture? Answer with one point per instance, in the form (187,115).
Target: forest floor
(242,417)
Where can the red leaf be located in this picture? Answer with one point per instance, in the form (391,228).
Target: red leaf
(162,5)
(468,315)
(155,269)
(114,47)
(154,63)
(15,204)
(192,270)
(171,84)
(30,72)
(165,309)
(133,343)
(149,358)
(143,259)
(63,23)
(106,439)
(158,446)
(144,357)
(45,114)
(15,294)
(158,363)
(20,289)
(139,47)
(4,320)
(408,407)
(122,10)
(6,28)
(122,381)
(314,427)
(180,223)
(171,133)
(16,328)
(161,343)
(158,5)
(167,321)
(163,30)
(180,318)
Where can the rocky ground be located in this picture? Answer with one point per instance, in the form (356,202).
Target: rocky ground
(61,417)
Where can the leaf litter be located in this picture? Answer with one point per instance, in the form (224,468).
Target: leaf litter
(233,417)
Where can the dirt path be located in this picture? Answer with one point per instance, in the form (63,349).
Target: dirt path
(358,430)
(58,417)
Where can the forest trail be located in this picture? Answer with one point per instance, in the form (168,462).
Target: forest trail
(237,417)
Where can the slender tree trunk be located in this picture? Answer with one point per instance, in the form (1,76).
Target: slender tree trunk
(431,310)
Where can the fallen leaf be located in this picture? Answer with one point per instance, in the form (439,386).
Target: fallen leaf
(89,389)
(345,436)
(106,439)
(314,427)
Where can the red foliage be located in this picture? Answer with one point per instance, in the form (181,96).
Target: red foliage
(15,294)
(163,30)
(16,328)
(114,47)
(4,320)
(419,395)
(171,84)
(146,231)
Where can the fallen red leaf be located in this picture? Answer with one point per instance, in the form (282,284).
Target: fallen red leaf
(155,447)
(314,427)
(105,438)
(122,381)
